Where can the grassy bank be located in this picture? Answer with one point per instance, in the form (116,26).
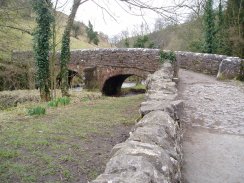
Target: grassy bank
(69,144)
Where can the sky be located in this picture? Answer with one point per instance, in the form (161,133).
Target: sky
(116,16)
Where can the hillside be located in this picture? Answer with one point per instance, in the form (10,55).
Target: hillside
(14,39)
(174,37)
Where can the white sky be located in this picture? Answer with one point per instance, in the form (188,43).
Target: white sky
(102,22)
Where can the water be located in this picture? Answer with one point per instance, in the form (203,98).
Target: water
(128,85)
(77,89)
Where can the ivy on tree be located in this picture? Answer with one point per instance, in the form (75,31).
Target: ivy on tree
(65,49)
(65,57)
(41,47)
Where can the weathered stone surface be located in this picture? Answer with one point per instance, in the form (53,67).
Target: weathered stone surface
(229,68)
(175,110)
(157,128)
(153,105)
(152,153)
(222,66)
(200,62)
(167,87)
(160,96)
(153,161)
(131,169)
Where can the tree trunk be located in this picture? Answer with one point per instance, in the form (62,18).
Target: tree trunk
(41,46)
(65,50)
(53,57)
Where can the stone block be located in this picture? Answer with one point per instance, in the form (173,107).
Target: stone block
(153,105)
(131,169)
(229,68)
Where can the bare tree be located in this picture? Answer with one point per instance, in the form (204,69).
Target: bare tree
(65,50)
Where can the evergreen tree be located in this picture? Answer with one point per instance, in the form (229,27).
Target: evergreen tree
(127,44)
(143,42)
(91,34)
(42,36)
(222,42)
(209,28)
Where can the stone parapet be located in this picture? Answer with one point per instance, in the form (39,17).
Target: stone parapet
(200,62)
(222,66)
(153,152)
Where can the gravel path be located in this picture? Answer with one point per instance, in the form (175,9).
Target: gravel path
(214,129)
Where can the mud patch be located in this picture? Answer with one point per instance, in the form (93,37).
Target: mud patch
(98,148)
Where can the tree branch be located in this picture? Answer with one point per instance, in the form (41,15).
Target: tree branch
(105,9)
(19,29)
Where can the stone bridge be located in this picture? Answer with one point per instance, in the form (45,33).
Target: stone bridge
(107,69)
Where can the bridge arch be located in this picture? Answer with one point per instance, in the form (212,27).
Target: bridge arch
(114,78)
(71,75)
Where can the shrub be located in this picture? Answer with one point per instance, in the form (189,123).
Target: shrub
(37,111)
(170,56)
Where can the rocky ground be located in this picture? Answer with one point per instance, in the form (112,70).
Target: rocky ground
(213,143)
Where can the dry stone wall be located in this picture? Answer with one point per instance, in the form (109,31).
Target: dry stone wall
(152,153)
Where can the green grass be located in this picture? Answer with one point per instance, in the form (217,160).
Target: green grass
(52,148)
(139,87)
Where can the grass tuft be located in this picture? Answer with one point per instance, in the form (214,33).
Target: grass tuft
(53,103)
(63,100)
(37,111)
(60,101)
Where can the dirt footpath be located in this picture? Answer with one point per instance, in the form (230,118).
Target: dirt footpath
(213,142)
